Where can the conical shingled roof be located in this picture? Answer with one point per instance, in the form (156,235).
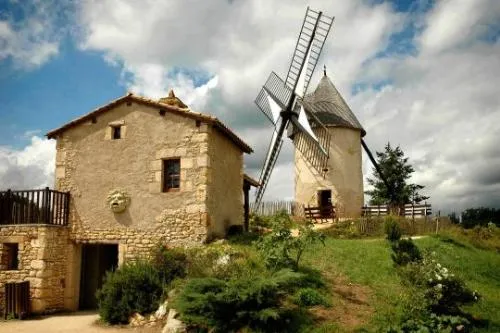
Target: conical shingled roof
(329,107)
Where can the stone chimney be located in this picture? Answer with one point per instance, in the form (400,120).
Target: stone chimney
(172,100)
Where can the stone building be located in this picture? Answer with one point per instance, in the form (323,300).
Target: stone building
(139,172)
(341,183)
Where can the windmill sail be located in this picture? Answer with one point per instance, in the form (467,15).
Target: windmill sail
(314,149)
(274,87)
(312,37)
(270,161)
(278,99)
(304,123)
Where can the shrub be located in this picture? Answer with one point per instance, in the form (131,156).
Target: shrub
(436,289)
(432,323)
(309,297)
(253,301)
(256,220)
(132,288)
(281,249)
(404,252)
(392,229)
(170,263)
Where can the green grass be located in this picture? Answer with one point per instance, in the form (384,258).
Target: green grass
(479,268)
(368,263)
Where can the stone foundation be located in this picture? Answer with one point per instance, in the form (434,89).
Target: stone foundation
(42,261)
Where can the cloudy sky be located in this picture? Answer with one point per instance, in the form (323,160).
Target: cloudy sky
(421,74)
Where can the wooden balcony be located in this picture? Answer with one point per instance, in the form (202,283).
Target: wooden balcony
(43,206)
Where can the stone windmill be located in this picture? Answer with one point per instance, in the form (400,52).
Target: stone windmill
(341,182)
(327,136)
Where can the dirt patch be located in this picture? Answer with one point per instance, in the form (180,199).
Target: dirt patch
(350,304)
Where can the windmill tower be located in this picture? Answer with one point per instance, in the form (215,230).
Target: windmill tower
(341,182)
(326,134)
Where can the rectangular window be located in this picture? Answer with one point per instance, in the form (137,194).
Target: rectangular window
(116,132)
(171,174)
(10,252)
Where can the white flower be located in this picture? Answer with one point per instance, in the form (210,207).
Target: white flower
(438,277)
(438,265)
(439,286)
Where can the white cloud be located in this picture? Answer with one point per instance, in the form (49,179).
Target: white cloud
(441,103)
(456,22)
(28,168)
(32,38)
(237,43)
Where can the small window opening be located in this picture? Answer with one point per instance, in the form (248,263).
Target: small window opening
(10,252)
(117,132)
(171,174)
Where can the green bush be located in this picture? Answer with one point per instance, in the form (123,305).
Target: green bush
(281,249)
(392,229)
(256,220)
(434,289)
(309,297)
(253,301)
(170,263)
(432,323)
(404,252)
(132,288)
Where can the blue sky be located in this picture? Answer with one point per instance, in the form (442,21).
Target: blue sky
(35,100)
(388,59)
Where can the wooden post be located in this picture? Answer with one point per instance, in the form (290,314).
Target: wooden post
(437,221)
(9,204)
(46,205)
(246,190)
(425,212)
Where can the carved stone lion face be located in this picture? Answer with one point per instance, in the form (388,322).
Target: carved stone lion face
(118,200)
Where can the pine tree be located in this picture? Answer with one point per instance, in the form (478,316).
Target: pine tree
(396,169)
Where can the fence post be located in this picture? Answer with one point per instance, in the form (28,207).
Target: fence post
(425,211)
(437,221)
(46,201)
(9,203)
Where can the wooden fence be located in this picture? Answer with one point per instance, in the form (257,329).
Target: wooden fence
(410,210)
(34,207)
(267,208)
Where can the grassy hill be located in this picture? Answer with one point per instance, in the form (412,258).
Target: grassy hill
(365,288)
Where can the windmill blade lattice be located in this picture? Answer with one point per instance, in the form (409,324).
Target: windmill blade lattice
(271,158)
(315,26)
(276,88)
(311,149)
(278,99)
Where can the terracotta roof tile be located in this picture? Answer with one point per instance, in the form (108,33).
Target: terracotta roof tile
(149,102)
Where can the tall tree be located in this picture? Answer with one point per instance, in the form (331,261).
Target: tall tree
(396,169)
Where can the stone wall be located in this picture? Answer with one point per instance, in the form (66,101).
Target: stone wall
(42,261)
(89,165)
(344,177)
(225,185)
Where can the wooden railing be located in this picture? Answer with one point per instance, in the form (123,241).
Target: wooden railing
(267,208)
(34,207)
(320,214)
(410,210)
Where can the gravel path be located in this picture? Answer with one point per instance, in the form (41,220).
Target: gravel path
(77,322)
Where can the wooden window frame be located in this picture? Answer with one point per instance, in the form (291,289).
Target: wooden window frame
(164,181)
(12,259)
(114,130)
